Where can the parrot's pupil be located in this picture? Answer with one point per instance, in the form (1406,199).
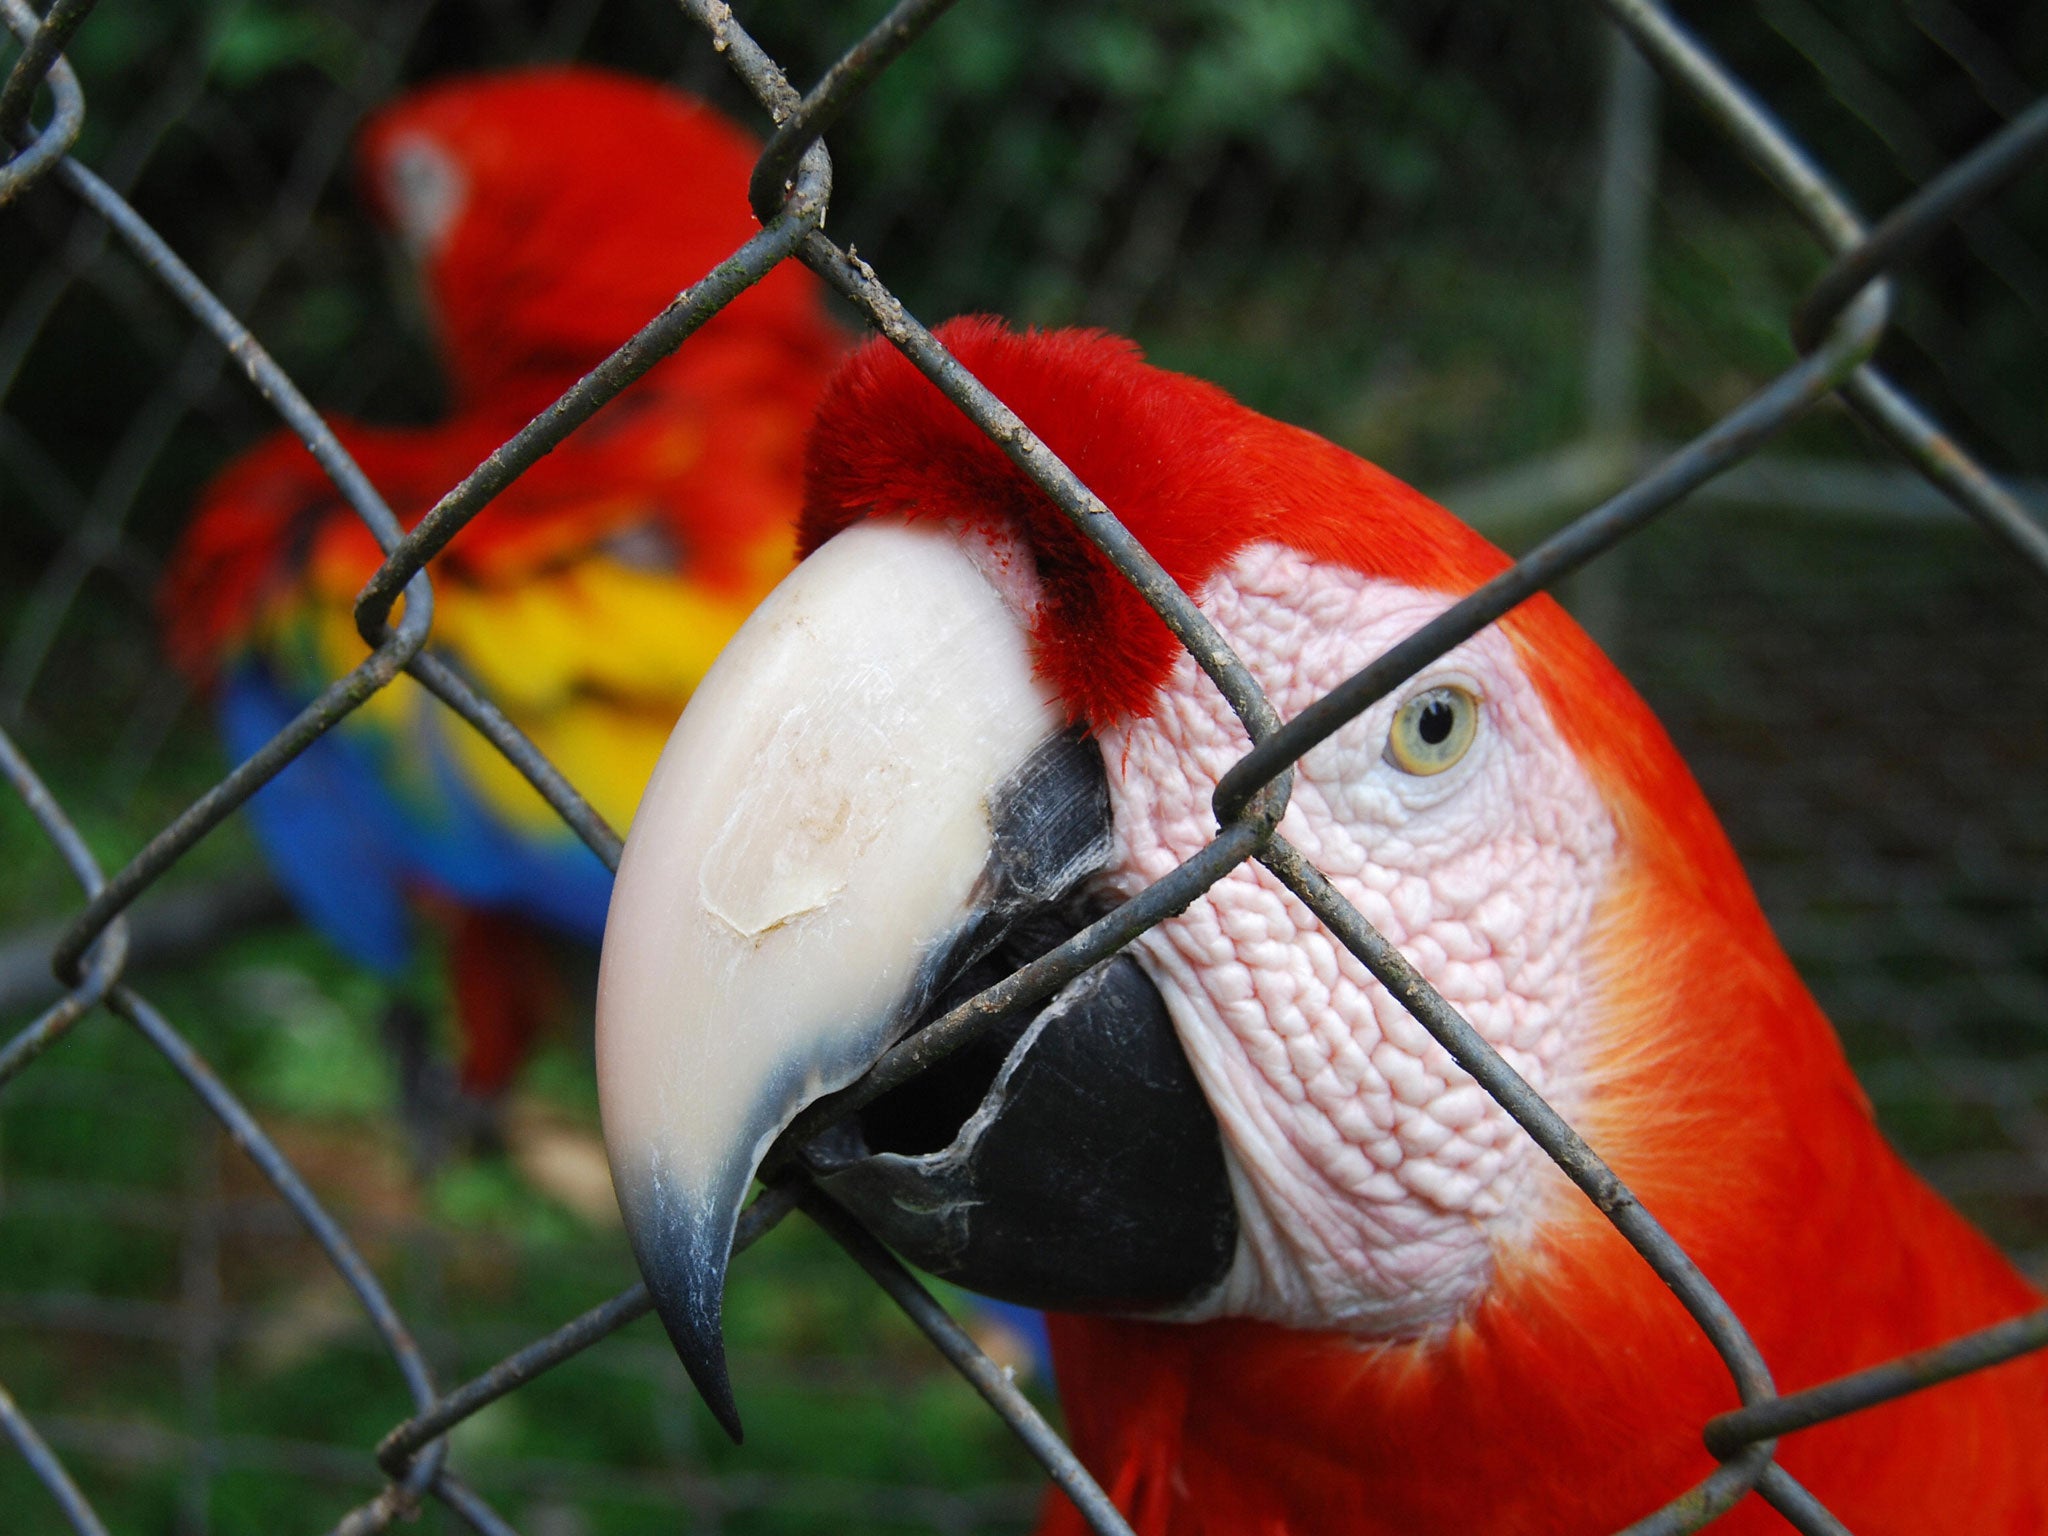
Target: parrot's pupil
(1434,724)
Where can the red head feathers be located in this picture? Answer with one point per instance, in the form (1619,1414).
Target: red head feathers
(1193,474)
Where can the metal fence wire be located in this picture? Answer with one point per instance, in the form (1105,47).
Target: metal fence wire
(1837,329)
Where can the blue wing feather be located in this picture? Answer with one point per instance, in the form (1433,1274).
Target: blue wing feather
(347,848)
(325,824)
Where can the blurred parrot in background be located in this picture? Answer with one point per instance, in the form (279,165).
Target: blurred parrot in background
(550,213)
(1313,1278)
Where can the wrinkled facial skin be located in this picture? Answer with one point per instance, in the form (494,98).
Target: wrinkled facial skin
(1375,1182)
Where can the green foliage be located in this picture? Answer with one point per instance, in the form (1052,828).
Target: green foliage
(259,41)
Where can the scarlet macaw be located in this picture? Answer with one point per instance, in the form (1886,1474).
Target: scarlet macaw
(1314,1278)
(551,212)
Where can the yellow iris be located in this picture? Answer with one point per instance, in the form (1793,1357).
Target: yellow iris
(1433,729)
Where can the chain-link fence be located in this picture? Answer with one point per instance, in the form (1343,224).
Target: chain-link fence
(1962,939)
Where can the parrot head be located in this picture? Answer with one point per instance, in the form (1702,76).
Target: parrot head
(552,211)
(955,736)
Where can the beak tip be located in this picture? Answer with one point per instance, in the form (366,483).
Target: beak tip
(728,1417)
(684,1248)
(696,1330)
(704,1359)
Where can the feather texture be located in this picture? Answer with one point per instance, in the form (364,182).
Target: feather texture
(552,212)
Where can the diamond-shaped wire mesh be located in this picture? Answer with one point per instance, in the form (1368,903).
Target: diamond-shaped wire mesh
(1899,851)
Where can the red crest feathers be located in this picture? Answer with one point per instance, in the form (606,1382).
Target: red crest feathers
(1195,476)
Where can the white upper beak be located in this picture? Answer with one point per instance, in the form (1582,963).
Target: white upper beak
(811,840)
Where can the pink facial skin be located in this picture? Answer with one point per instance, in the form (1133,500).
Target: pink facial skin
(1375,1180)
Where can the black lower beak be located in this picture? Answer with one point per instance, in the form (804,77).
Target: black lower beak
(1066,1161)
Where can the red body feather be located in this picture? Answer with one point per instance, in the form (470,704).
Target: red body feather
(594,199)
(1569,1402)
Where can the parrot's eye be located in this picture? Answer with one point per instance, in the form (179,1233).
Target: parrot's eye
(425,189)
(1433,729)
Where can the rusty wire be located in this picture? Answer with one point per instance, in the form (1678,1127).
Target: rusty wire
(1837,330)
